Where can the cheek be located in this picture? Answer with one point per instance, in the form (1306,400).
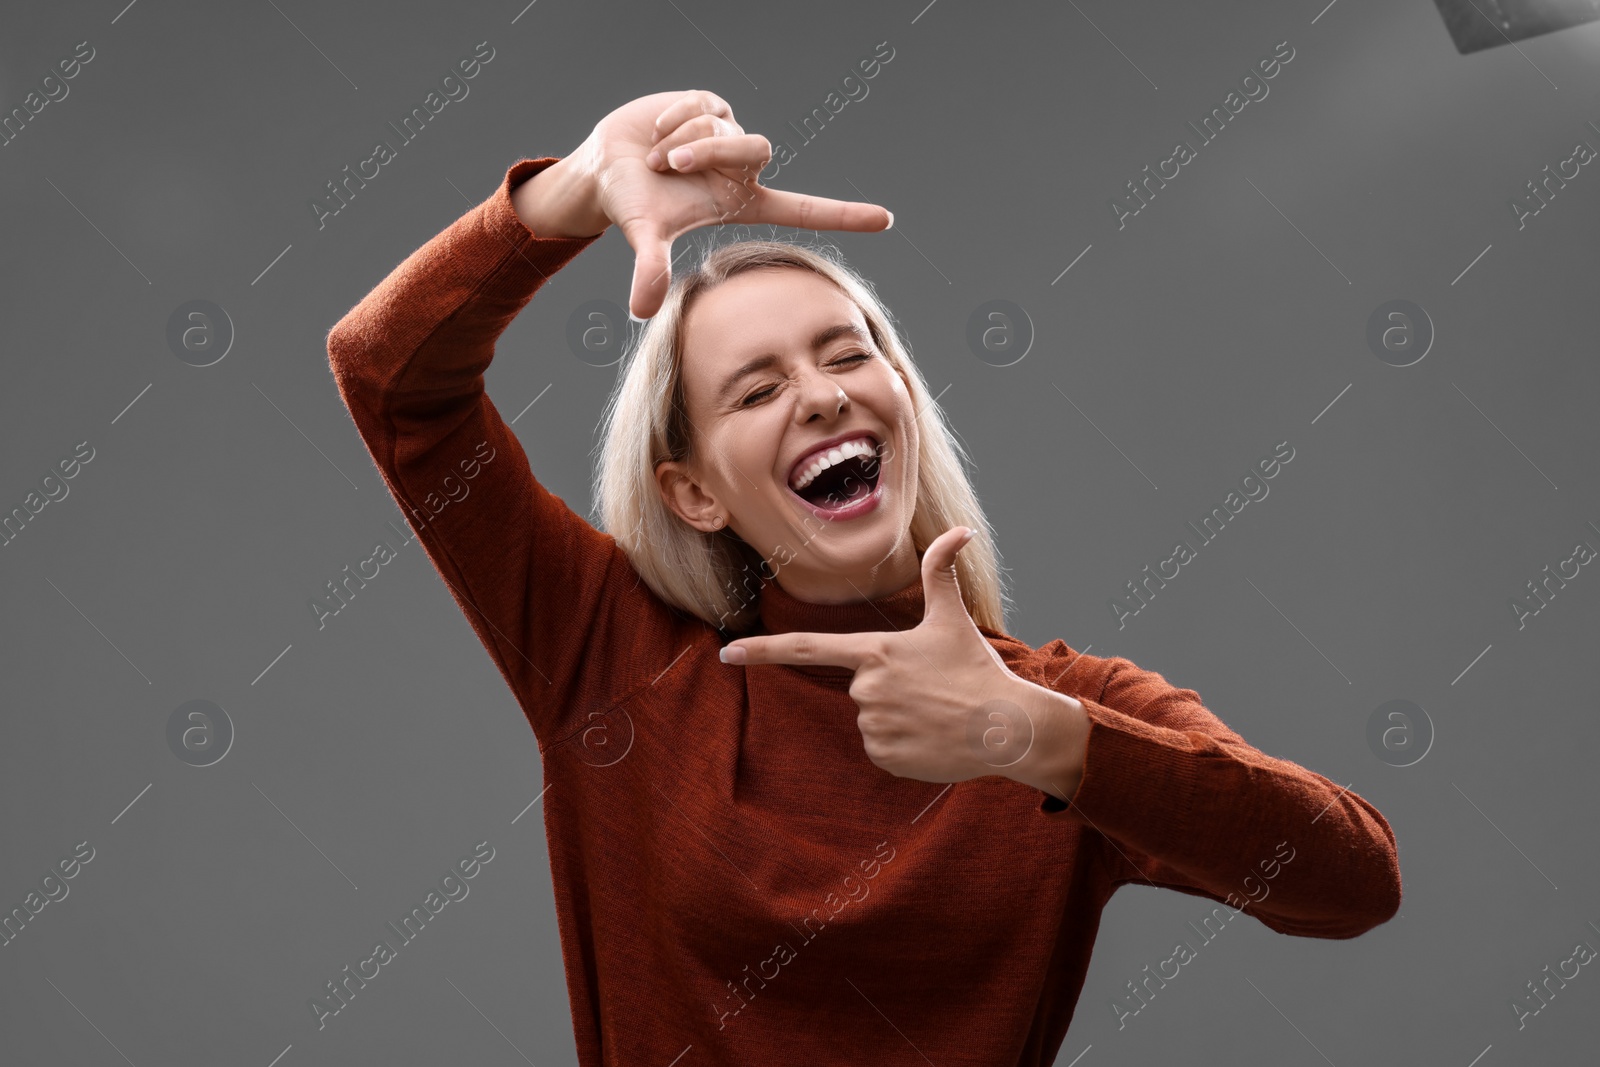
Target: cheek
(722,473)
(906,410)
(748,454)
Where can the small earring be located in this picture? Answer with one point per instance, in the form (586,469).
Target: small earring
(716,523)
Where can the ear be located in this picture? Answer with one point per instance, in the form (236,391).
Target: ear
(683,495)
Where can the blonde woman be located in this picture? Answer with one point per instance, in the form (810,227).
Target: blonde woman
(807,801)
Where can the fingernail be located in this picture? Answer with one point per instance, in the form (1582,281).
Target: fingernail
(634,318)
(730,654)
(970,534)
(891,220)
(680,157)
(653,159)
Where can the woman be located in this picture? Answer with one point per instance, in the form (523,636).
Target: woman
(872,827)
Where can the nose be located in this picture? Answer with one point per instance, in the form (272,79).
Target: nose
(820,396)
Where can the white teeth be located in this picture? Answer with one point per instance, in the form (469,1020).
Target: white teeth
(861,446)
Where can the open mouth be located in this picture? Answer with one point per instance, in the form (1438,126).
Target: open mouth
(841,479)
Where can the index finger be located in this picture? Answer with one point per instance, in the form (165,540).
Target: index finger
(783,208)
(836,650)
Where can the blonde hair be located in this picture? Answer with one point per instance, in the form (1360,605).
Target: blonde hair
(717,577)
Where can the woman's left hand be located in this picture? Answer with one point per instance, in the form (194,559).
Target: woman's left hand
(937,702)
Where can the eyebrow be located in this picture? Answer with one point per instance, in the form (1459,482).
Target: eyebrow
(823,337)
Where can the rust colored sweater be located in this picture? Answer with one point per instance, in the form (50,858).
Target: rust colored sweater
(735,881)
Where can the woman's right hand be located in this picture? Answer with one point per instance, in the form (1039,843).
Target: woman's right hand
(612,176)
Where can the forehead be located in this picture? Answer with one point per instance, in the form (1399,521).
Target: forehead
(772,309)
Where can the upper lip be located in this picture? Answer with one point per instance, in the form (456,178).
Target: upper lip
(803,460)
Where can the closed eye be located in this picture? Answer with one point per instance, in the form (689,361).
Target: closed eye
(753,397)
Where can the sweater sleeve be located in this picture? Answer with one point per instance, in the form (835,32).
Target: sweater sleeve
(1179,800)
(554,601)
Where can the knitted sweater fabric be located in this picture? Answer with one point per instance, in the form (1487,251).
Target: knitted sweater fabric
(735,881)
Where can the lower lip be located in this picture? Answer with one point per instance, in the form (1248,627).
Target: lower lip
(855,510)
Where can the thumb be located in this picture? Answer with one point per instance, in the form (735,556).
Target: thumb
(652,269)
(941,592)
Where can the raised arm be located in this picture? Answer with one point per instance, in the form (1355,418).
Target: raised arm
(1182,801)
(531,576)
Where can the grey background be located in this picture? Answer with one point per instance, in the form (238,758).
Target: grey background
(1223,319)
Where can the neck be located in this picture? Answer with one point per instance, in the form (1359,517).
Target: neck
(902,567)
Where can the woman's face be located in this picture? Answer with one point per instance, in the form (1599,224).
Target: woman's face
(762,394)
